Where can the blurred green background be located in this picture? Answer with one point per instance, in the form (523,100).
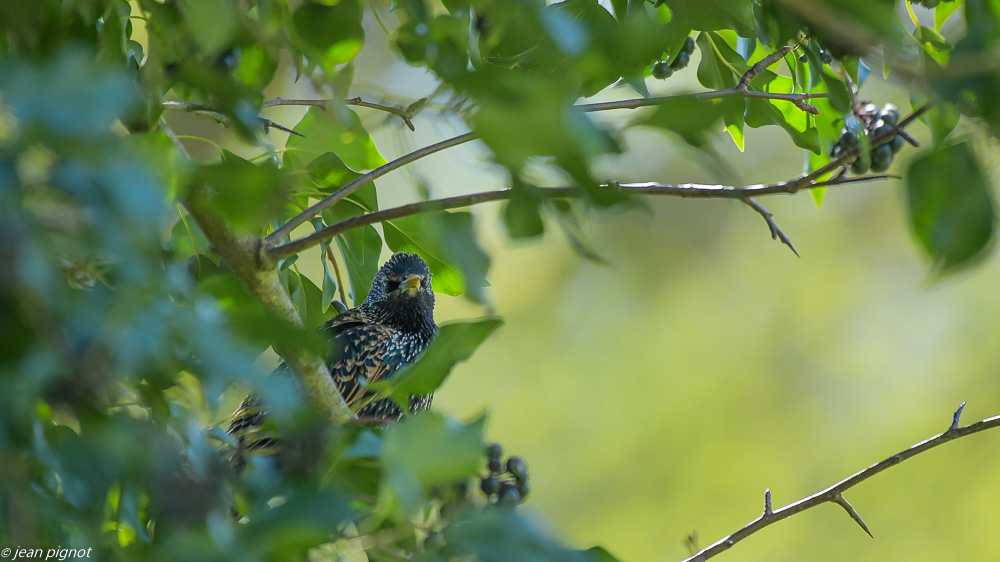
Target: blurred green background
(656,396)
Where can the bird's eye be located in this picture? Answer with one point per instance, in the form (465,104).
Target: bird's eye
(391,286)
(425,282)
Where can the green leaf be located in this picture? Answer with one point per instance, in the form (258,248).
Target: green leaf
(951,210)
(714,71)
(304,520)
(944,11)
(941,119)
(361,247)
(36,95)
(689,117)
(336,129)
(521,213)
(332,33)
(709,15)
(249,195)
(306,296)
(423,451)
(447,242)
(213,23)
(505,534)
(762,112)
(455,343)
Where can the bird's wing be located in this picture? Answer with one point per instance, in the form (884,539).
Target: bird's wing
(344,321)
(365,353)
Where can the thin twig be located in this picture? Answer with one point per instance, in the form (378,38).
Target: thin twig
(776,232)
(352,186)
(687,190)
(406,114)
(835,493)
(336,272)
(739,90)
(195,107)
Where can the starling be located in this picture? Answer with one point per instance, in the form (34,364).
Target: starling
(368,343)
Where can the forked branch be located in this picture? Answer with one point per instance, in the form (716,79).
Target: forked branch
(740,90)
(835,493)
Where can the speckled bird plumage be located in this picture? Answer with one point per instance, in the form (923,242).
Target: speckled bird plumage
(389,329)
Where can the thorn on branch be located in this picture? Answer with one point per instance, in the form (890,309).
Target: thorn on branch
(268,125)
(776,232)
(840,500)
(957,416)
(768,509)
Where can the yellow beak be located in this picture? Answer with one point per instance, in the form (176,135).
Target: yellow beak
(412,284)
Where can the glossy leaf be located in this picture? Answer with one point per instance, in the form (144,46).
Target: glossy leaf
(709,15)
(455,343)
(337,130)
(950,206)
(423,451)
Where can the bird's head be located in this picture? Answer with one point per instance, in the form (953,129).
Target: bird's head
(401,294)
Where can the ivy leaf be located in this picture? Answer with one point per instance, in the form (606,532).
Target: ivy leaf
(455,343)
(423,451)
(336,129)
(709,15)
(506,534)
(521,213)
(361,247)
(332,32)
(950,207)
(247,194)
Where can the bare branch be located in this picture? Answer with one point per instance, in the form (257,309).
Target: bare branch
(353,186)
(687,190)
(835,493)
(406,114)
(194,107)
(737,91)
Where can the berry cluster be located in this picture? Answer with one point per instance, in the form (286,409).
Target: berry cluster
(506,483)
(930,3)
(877,123)
(663,70)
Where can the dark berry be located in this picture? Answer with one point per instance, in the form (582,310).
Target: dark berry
(803,58)
(881,158)
(509,494)
(662,70)
(896,144)
(494,451)
(850,139)
(494,466)
(517,468)
(490,486)
(688,45)
(882,129)
(889,114)
(681,60)
(524,488)
(860,165)
(825,57)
